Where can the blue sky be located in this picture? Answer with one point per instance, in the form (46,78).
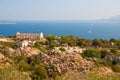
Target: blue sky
(58,9)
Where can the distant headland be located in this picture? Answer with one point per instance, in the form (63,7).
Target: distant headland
(7,22)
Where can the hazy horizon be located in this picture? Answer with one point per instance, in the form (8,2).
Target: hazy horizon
(54,10)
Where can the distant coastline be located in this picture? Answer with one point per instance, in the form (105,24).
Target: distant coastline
(7,22)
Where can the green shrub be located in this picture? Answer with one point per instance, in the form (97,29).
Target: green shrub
(62,49)
(41,71)
(37,45)
(104,53)
(91,53)
(97,42)
(24,66)
(52,45)
(113,50)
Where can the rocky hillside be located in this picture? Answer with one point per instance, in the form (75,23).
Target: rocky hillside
(58,57)
(54,61)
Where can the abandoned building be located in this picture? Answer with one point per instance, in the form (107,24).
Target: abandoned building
(29,36)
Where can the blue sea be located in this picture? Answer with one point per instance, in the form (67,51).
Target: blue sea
(89,30)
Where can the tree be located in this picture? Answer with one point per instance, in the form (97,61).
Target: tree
(97,42)
(112,40)
(104,53)
(70,40)
(50,38)
(82,42)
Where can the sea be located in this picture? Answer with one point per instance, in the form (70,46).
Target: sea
(88,30)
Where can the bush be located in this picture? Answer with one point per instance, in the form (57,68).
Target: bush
(50,38)
(24,66)
(52,45)
(41,71)
(113,50)
(37,45)
(91,53)
(116,68)
(97,42)
(104,53)
(62,49)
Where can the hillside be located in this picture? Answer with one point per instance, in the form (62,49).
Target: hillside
(60,58)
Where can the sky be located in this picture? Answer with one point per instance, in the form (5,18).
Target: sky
(51,10)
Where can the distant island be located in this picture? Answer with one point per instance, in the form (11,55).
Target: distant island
(7,22)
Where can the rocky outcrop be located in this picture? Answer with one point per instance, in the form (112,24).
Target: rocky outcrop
(113,58)
(109,58)
(117,58)
(105,70)
(65,62)
(62,61)
(28,51)
(4,61)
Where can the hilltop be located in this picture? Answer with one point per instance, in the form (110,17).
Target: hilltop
(60,58)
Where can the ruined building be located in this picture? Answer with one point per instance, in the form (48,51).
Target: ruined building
(29,36)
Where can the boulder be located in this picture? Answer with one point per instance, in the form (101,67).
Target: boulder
(105,70)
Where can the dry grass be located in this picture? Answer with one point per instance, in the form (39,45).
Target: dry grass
(90,76)
(10,73)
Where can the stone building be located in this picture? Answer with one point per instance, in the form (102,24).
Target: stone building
(25,43)
(22,44)
(29,36)
(1,36)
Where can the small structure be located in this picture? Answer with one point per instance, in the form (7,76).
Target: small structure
(1,36)
(29,36)
(22,44)
(25,43)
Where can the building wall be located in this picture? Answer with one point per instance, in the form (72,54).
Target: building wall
(28,36)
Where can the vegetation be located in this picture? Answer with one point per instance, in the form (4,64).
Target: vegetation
(89,76)
(9,44)
(62,49)
(11,73)
(40,73)
(102,52)
(37,45)
(91,53)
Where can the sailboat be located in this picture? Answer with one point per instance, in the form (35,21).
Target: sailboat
(90,32)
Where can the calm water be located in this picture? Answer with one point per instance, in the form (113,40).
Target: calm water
(88,30)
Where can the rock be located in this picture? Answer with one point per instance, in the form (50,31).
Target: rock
(117,58)
(58,69)
(62,61)
(4,61)
(1,56)
(105,70)
(109,58)
(28,51)
(10,51)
